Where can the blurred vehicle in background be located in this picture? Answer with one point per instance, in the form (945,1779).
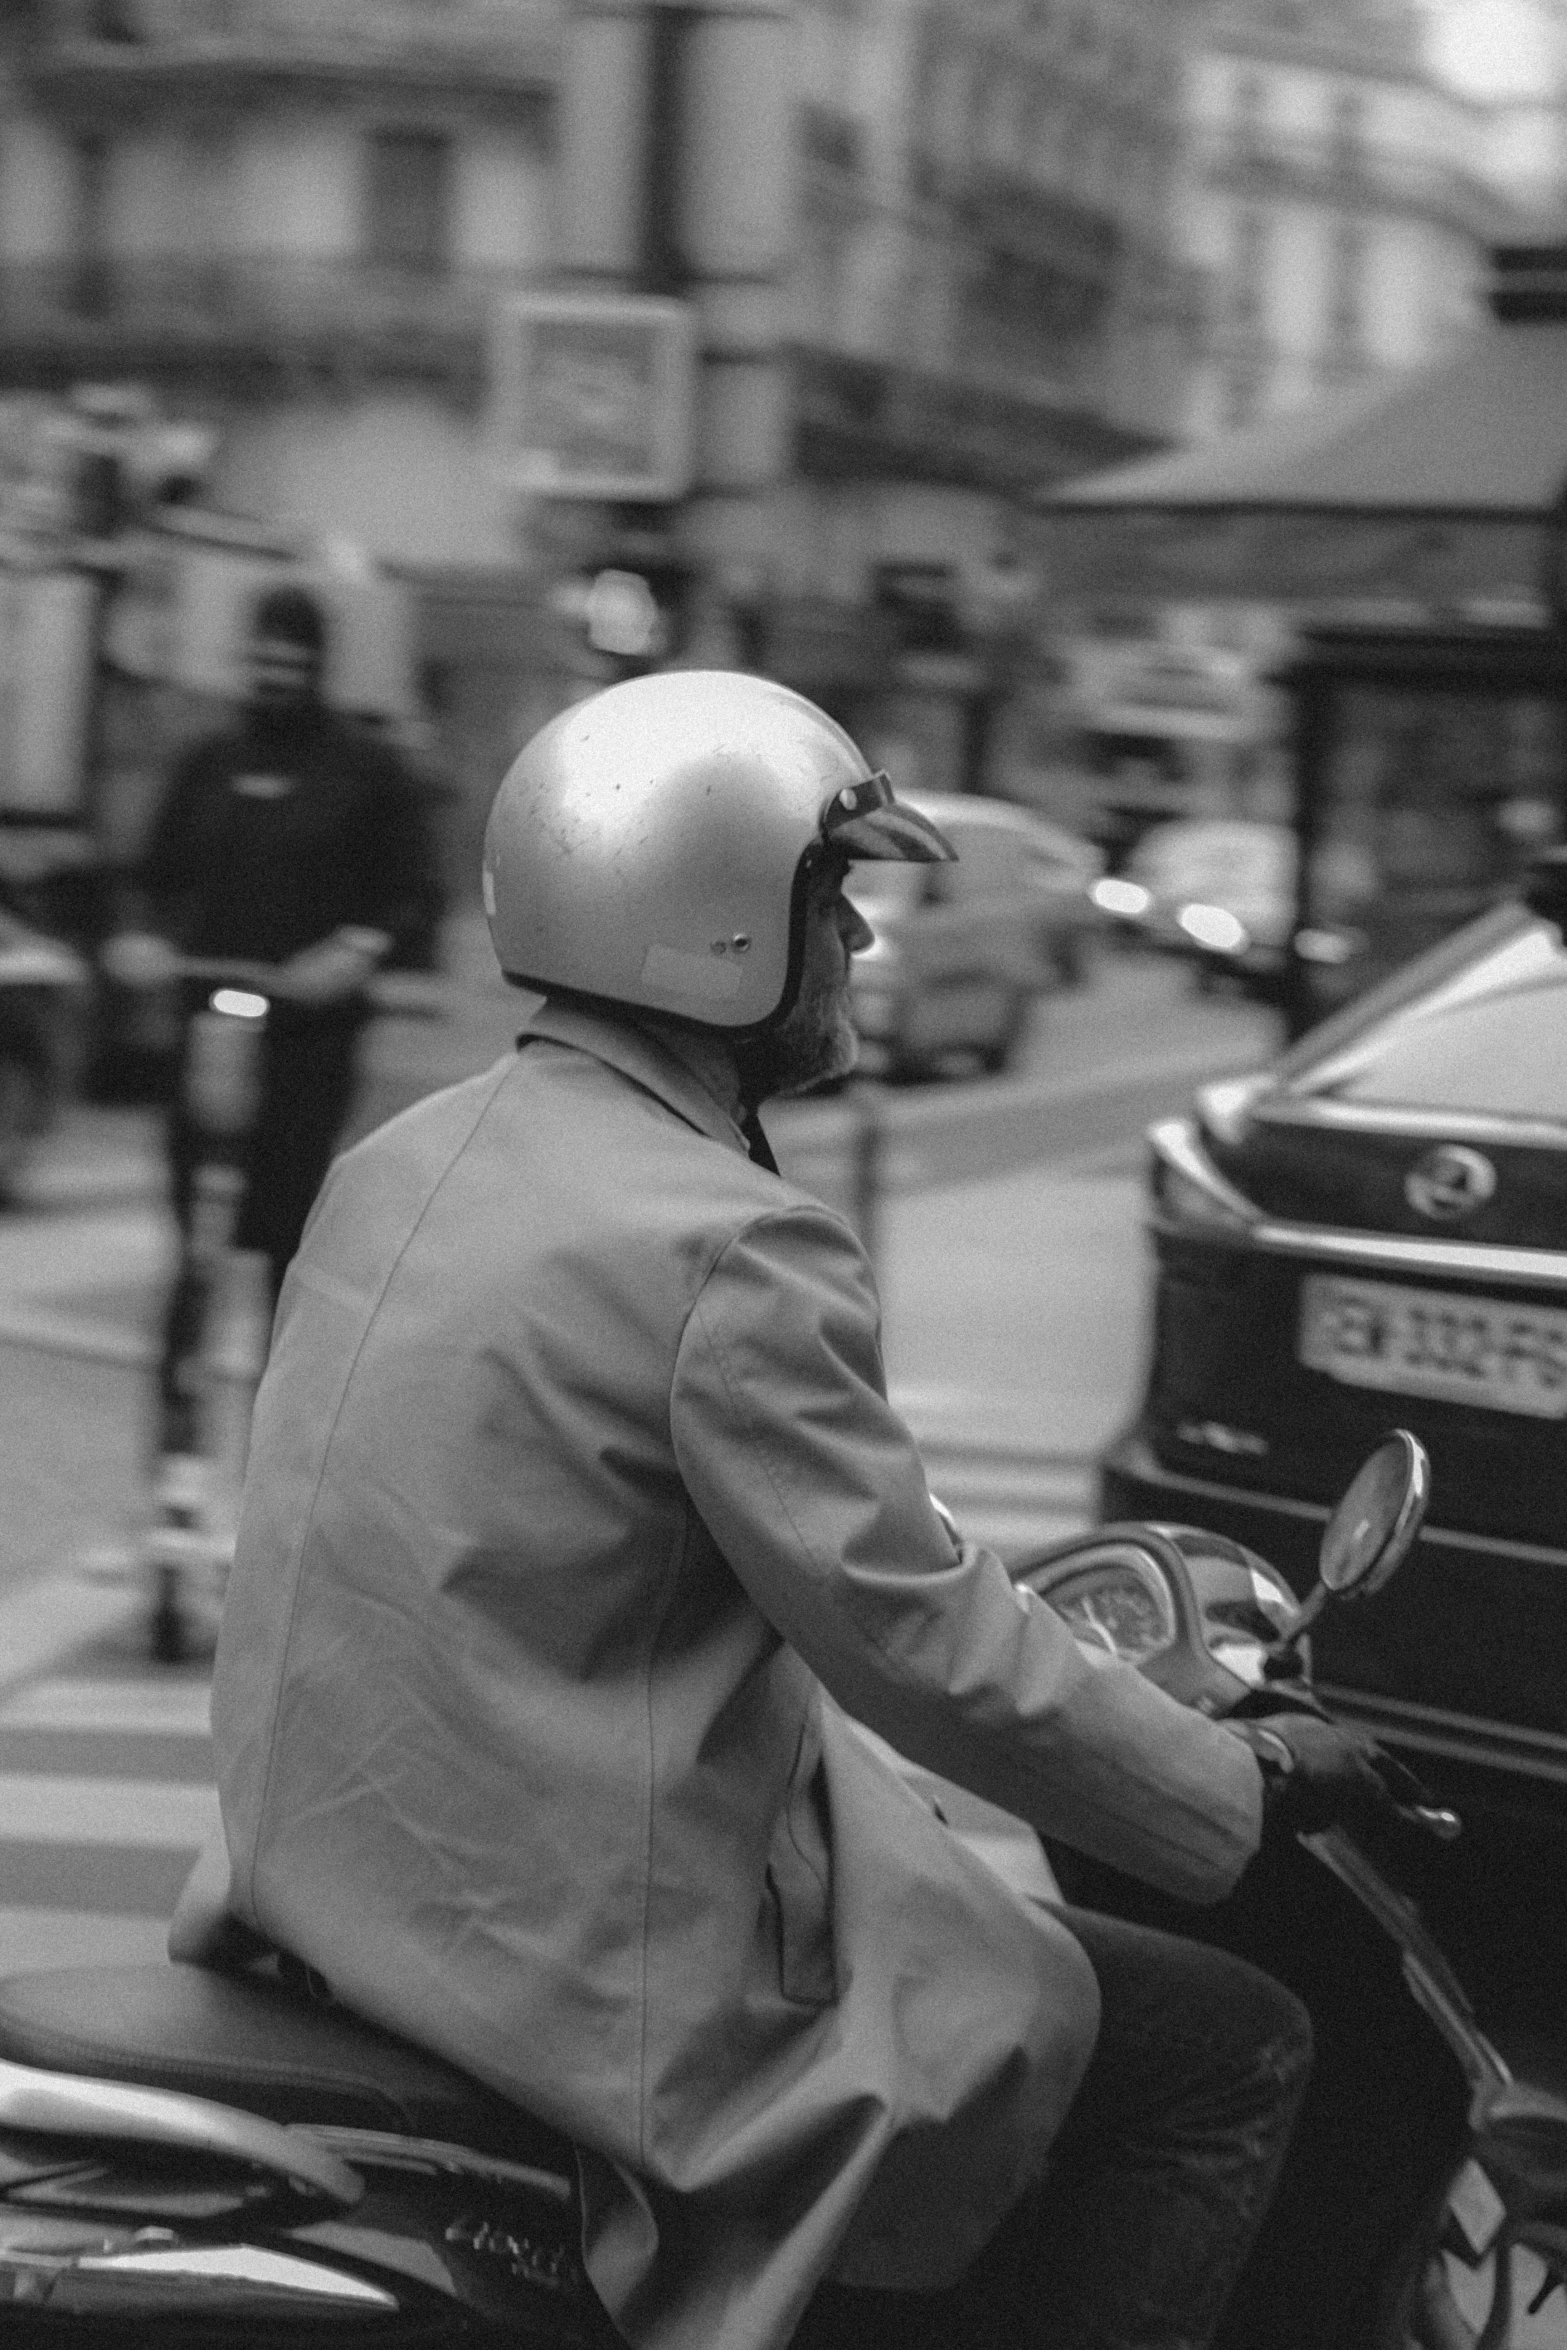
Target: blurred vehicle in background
(45,992)
(1166,731)
(1375,1229)
(1219,891)
(962,950)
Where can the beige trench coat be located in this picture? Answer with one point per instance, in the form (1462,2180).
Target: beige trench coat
(573,1488)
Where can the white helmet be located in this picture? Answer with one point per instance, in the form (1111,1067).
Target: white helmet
(648,845)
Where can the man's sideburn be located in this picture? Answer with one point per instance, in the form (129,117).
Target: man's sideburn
(816,1041)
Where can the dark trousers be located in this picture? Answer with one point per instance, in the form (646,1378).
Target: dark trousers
(307,1084)
(1383,2121)
(1156,2185)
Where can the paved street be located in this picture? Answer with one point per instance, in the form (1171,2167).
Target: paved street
(1008,1244)
(106,1796)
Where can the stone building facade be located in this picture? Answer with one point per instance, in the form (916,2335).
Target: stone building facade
(1338,201)
(1027,237)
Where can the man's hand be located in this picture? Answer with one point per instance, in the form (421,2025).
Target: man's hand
(1316,1774)
(334,970)
(138,958)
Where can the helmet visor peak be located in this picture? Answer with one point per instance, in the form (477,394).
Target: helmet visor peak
(864,820)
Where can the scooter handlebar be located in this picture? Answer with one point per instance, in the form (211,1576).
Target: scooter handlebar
(1413,1800)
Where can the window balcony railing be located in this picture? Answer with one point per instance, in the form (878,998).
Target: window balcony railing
(460,22)
(858,417)
(178,316)
(215,325)
(215,48)
(831,136)
(1325,169)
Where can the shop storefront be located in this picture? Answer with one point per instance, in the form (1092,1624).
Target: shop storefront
(1431,765)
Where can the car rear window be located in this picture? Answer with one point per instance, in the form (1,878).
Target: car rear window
(1479,1025)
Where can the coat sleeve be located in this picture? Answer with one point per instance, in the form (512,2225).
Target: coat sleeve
(813,1489)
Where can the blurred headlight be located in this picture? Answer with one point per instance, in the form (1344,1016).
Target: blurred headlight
(1328,946)
(1214,927)
(1226,1105)
(1114,896)
(1186,1187)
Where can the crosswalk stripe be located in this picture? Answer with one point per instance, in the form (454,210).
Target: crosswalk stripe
(112,1880)
(160,1756)
(106,1796)
(42,1938)
(172,1708)
(45,1808)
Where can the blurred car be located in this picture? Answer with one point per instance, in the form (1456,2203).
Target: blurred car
(1218,890)
(1373,1232)
(962,950)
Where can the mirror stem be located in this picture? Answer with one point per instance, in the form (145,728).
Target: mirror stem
(1283,1650)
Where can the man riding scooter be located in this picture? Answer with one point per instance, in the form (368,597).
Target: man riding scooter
(577,1538)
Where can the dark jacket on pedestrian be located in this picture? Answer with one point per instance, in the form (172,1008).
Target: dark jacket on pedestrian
(269,840)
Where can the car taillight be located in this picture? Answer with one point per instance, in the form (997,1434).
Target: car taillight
(1187,1189)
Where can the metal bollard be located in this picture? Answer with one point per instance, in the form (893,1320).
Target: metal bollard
(236,1353)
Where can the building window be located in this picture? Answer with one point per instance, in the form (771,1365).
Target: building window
(1249,269)
(830,136)
(90,289)
(1346,295)
(1348,134)
(1250,98)
(408,199)
(1244,385)
(1036,133)
(112,20)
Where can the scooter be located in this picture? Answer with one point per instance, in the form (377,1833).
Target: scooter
(194,2157)
(1219,1629)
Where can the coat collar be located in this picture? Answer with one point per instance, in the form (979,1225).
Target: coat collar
(645,1059)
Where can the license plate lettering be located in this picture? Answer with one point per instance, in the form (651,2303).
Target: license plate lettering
(1358,1329)
(1552,1361)
(1432,1342)
(1459,1343)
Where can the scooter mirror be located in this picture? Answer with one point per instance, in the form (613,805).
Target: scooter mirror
(1373,1528)
(1370,1532)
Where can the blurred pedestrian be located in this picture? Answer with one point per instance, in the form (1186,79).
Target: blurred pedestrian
(296,840)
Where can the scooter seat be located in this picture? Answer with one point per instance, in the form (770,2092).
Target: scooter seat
(251,2041)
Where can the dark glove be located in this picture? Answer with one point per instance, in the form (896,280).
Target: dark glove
(1317,1774)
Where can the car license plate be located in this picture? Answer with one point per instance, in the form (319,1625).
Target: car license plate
(1436,1342)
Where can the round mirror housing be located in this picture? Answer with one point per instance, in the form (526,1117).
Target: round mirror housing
(1374,1527)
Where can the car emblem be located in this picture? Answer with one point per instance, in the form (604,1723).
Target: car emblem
(1449,1182)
